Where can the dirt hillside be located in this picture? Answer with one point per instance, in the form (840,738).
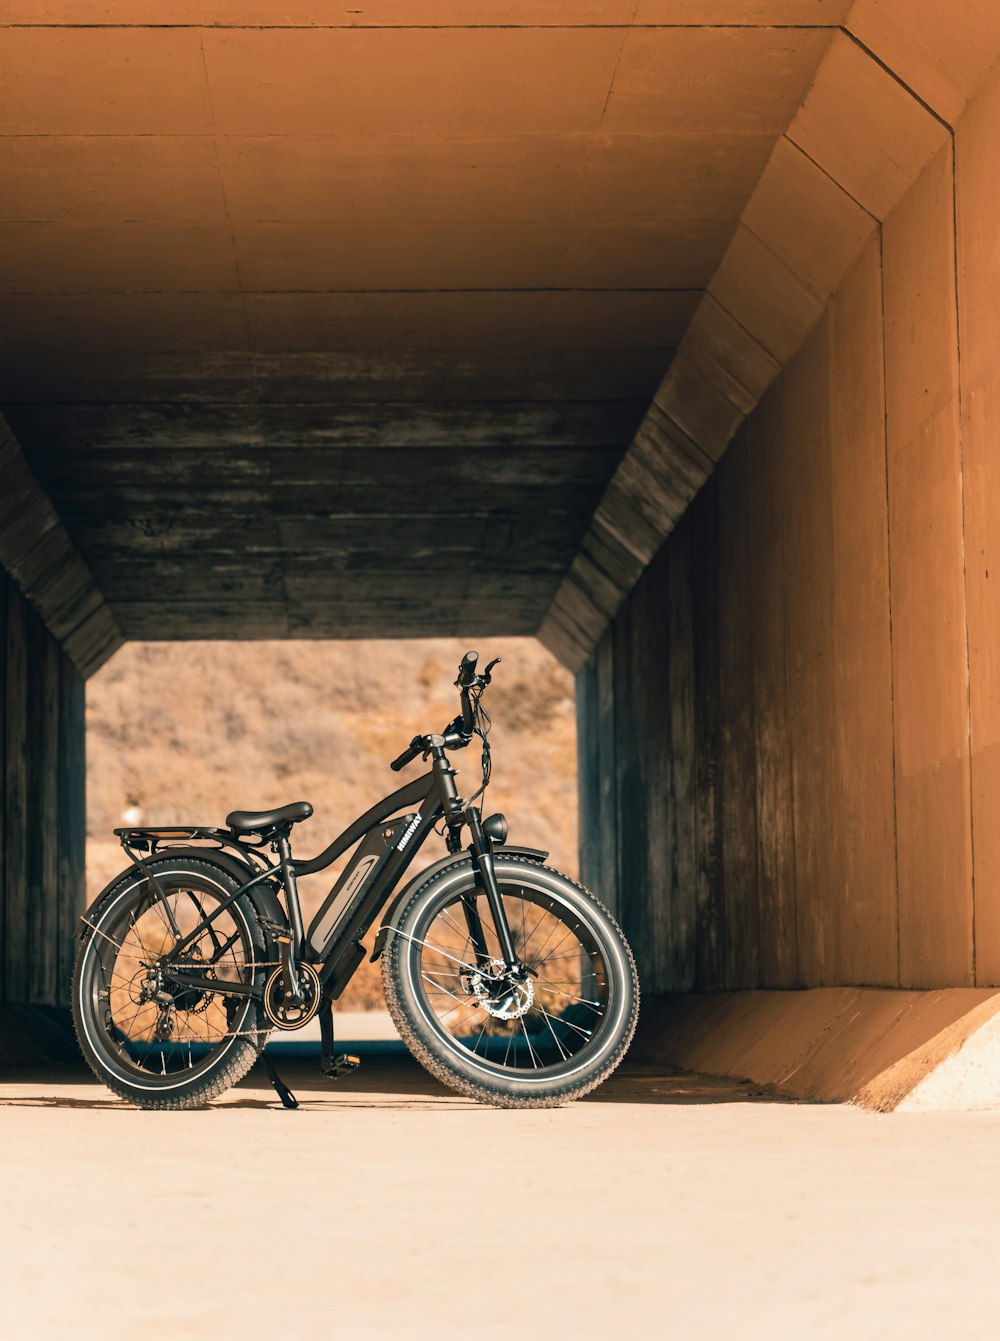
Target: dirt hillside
(186,732)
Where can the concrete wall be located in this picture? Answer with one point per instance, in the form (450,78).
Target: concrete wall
(791,732)
(42,806)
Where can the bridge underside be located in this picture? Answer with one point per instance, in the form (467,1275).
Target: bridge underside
(661,330)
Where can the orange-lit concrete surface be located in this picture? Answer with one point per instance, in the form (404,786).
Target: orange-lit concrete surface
(821,797)
(663,330)
(387,1207)
(885,1050)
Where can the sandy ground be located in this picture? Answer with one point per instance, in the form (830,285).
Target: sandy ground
(661,1206)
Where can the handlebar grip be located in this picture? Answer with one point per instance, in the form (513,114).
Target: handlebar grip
(410,753)
(467,669)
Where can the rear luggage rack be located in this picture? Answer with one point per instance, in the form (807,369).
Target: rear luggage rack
(151,840)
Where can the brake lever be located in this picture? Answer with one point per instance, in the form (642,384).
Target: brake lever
(486,677)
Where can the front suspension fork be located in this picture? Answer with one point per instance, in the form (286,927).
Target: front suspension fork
(486,878)
(482,856)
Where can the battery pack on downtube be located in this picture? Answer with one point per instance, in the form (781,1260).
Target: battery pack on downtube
(362,871)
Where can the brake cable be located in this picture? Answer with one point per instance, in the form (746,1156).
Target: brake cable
(481,728)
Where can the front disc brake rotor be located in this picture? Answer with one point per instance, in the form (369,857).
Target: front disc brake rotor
(499,994)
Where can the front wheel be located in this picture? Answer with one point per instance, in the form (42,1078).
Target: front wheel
(534,1039)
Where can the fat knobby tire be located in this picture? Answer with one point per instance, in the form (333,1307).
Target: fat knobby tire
(216,1079)
(433,1055)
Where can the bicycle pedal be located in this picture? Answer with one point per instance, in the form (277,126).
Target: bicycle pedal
(342,1066)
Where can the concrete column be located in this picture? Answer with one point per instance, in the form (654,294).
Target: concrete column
(43,810)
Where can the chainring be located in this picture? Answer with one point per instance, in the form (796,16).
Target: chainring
(285,1012)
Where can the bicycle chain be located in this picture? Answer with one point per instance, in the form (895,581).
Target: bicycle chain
(230,1033)
(233,1033)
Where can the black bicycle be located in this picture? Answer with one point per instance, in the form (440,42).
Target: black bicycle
(506,979)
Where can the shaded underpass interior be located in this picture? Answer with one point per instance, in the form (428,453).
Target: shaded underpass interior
(663,332)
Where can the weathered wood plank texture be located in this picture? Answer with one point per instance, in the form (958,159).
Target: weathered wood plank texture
(17,848)
(35,548)
(832,623)
(707,742)
(737,777)
(856,144)
(72,823)
(4,673)
(769,491)
(979,306)
(43,819)
(861,748)
(928,596)
(805,495)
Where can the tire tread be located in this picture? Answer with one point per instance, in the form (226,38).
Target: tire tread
(496,1094)
(227,1073)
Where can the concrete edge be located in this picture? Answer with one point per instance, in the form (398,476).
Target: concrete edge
(881,1049)
(884,1050)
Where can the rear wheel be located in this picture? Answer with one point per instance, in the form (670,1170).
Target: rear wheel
(152,1040)
(536,1038)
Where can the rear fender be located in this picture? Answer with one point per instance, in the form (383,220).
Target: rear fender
(262,895)
(428,873)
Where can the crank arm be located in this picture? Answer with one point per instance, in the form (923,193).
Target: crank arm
(333,1067)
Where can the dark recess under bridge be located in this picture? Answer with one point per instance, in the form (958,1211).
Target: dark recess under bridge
(662,331)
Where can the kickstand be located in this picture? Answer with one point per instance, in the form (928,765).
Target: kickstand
(332,1067)
(288,1099)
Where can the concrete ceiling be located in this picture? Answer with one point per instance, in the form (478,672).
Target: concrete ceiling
(327,325)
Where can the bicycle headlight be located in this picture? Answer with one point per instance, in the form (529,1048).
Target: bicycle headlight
(495,828)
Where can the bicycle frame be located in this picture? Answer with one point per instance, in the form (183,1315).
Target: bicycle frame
(437,796)
(171,1016)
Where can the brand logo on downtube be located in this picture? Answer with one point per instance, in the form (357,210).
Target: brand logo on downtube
(408,833)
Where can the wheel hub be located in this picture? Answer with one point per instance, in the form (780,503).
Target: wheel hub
(498,992)
(194,999)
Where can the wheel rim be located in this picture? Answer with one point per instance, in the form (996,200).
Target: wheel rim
(160,1041)
(548,1025)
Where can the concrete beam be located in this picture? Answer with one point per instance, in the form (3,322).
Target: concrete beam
(940,51)
(883,1050)
(35,548)
(862,136)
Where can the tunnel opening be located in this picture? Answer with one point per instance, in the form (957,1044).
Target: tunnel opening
(691,379)
(183,733)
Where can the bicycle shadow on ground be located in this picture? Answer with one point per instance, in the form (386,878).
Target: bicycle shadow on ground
(388,1078)
(388,1069)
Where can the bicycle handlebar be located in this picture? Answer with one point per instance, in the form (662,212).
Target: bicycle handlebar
(467,679)
(414,748)
(467,670)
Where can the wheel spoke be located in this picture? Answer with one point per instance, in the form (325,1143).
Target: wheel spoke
(584,1033)
(594,1005)
(470,1005)
(531,1050)
(145,1022)
(508,1023)
(436,948)
(562,1051)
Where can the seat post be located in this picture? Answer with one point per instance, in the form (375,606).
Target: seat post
(284,851)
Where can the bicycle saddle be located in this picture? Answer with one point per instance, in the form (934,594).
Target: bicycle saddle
(259,821)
